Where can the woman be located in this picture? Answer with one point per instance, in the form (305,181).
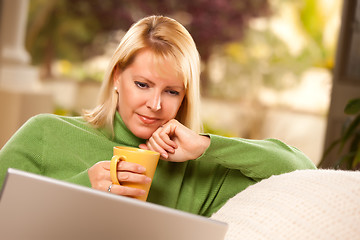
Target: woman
(150,99)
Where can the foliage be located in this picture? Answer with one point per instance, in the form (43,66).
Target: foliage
(210,22)
(251,58)
(56,30)
(267,58)
(314,20)
(66,29)
(261,59)
(350,138)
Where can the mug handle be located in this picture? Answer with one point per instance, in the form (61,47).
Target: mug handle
(113,168)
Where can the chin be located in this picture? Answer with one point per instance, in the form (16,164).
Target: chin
(143,134)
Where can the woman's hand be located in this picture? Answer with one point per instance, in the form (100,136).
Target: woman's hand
(177,143)
(99,175)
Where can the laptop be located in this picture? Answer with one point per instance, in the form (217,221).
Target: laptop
(38,207)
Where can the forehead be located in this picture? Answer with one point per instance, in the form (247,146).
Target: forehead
(159,66)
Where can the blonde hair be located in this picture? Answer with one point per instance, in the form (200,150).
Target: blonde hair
(168,40)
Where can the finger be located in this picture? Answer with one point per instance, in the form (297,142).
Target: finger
(133,178)
(165,134)
(104,164)
(126,191)
(152,144)
(160,146)
(125,166)
(130,167)
(143,146)
(163,156)
(163,140)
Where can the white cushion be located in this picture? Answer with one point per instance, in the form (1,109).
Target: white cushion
(305,204)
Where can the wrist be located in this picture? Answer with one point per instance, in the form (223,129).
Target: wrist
(204,143)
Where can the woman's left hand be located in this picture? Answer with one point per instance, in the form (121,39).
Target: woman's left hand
(177,143)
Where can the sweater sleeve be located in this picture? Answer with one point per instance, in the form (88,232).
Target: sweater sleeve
(24,149)
(256,159)
(28,150)
(81,178)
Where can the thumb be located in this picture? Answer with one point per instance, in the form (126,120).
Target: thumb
(143,146)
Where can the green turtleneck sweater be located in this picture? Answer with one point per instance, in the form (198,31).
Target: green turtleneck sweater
(66,147)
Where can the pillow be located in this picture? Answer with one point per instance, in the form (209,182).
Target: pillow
(304,204)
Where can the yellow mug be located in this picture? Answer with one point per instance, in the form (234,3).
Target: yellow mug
(146,158)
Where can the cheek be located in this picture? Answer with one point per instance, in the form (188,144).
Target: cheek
(128,98)
(125,105)
(128,103)
(171,107)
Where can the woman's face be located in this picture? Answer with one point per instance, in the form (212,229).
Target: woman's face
(150,94)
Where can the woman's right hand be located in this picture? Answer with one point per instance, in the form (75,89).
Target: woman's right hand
(99,175)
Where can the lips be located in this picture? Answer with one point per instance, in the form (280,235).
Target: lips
(147,120)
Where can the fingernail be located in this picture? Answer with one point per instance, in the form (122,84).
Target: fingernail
(142,192)
(148,180)
(164,155)
(142,169)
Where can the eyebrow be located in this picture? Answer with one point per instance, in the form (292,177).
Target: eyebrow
(151,82)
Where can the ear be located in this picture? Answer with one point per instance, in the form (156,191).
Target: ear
(116,77)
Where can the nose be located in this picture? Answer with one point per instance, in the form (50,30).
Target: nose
(154,102)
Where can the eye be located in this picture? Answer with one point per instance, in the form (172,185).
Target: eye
(141,84)
(173,92)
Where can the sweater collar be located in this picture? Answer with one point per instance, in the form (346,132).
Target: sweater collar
(123,135)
